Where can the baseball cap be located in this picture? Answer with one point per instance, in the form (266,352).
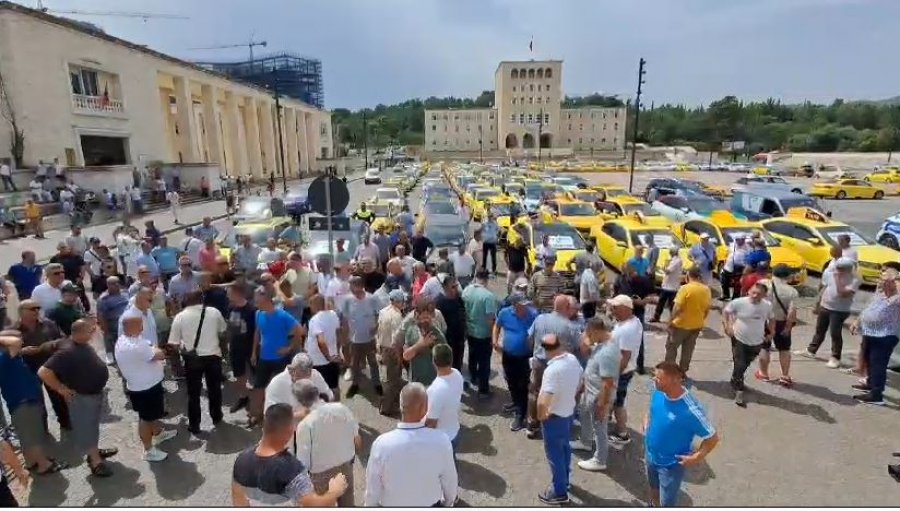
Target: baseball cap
(397,295)
(621,301)
(69,288)
(519,299)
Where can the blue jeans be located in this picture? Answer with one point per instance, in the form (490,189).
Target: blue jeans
(556,431)
(667,481)
(878,356)
(594,430)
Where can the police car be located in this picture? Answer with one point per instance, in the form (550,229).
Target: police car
(889,234)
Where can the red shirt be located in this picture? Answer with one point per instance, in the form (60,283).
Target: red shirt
(749,280)
(418,283)
(208,258)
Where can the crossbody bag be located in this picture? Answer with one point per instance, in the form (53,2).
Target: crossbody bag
(190,356)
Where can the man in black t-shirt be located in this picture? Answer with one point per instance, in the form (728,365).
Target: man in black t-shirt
(516,254)
(74,269)
(421,245)
(241,326)
(450,303)
(372,278)
(641,289)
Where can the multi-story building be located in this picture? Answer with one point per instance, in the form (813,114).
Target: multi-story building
(528,111)
(91,99)
(294,76)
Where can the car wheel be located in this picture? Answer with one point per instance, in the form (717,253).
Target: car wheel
(890,241)
(866,179)
(879,195)
(797,190)
(841,195)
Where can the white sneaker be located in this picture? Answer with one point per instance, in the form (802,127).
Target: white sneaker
(166,434)
(805,353)
(591,465)
(833,363)
(577,445)
(109,359)
(347,375)
(154,454)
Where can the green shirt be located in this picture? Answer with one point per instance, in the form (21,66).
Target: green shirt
(421,368)
(65,315)
(481,309)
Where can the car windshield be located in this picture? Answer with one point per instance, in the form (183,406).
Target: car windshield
(564,181)
(833,232)
(534,192)
(485,194)
(551,189)
(705,206)
(576,210)
(731,233)
(661,238)
(502,209)
(382,210)
(387,194)
(615,192)
(587,196)
(561,236)
(254,207)
(439,208)
(801,201)
(445,235)
(643,209)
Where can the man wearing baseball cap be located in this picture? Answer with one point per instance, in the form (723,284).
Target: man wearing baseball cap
(835,302)
(68,310)
(510,337)
(547,283)
(628,334)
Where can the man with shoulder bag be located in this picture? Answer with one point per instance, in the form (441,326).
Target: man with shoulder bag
(196,330)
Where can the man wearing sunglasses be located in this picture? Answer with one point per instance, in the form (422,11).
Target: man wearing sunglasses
(48,294)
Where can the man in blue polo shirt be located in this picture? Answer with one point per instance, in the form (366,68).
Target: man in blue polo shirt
(513,322)
(26,275)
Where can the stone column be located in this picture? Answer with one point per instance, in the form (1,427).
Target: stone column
(187,146)
(254,143)
(267,137)
(237,147)
(171,140)
(302,146)
(210,100)
(312,136)
(290,142)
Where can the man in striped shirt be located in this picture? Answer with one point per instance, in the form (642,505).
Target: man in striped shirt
(546,283)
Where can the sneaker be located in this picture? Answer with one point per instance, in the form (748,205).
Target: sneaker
(805,353)
(591,465)
(739,398)
(166,434)
(110,361)
(861,386)
(517,424)
(833,363)
(547,497)
(869,400)
(577,445)
(153,454)
(894,471)
(620,438)
(347,375)
(241,403)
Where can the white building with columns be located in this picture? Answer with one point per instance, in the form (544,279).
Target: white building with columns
(96,101)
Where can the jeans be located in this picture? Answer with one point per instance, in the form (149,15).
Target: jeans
(517,371)
(666,480)
(832,321)
(361,353)
(489,248)
(878,355)
(556,431)
(210,370)
(480,363)
(594,430)
(666,300)
(742,355)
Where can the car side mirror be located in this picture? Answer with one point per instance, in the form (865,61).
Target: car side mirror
(622,244)
(814,241)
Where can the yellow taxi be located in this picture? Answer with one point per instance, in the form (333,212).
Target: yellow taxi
(580,215)
(503,207)
(259,231)
(847,189)
(616,240)
(563,238)
(480,198)
(628,206)
(584,195)
(811,235)
(384,216)
(513,189)
(723,228)
(611,190)
(888,174)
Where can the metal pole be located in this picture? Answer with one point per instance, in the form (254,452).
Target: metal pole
(540,132)
(330,216)
(480,144)
(280,136)
(365,139)
(637,113)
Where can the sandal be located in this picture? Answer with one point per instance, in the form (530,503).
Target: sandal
(108,453)
(760,376)
(786,381)
(100,469)
(55,466)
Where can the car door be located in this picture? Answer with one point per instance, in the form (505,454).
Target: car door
(605,242)
(782,231)
(621,246)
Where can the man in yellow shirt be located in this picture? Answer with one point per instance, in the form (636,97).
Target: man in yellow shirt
(33,215)
(692,303)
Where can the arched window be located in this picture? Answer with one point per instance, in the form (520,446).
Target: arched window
(540,73)
(531,74)
(522,73)
(548,73)
(514,74)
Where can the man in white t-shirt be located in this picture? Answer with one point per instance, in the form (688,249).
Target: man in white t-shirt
(322,343)
(627,334)
(174,204)
(301,368)
(191,247)
(750,322)
(782,295)
(475,247)
(445,395)
(672,275)
(463,265)
(271,252)
(555,410)
(6,176)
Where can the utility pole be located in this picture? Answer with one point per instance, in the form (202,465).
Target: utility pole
(540,132)
(480,144)
(365,140)
(637,113)
(280,135)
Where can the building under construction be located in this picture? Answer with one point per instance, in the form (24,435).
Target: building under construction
(291,75)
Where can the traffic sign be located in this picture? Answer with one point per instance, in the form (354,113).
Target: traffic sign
(340,196)
(320,223)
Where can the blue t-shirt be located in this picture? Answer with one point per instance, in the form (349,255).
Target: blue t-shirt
(515,330)
(25,279)
(757,256)
(640,264)
(489,232)
(274,331)
(17,383)
(673,425)
(150,262)
(167,258)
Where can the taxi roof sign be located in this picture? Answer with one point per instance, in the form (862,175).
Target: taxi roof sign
(809,214)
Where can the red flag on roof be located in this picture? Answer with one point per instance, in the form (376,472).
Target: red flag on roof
(104,102)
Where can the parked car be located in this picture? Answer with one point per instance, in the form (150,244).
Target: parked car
(772,182)
(373,177)
(759,203)
(847,189)
(830,172)
(889,233)
(681,209)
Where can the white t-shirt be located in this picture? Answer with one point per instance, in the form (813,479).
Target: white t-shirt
(184,330)
(192,247)
(134,356)
(326,323)
(444,402)
(280,390)
(750,319)
(627,335)
(326,437)
(474,247)
(135,194)
(94,261)
(173,198)
(561,378)
(850,253)
(4,170)
(337,291)
(66,195)
(463,264)
(672,279)
(47,296)
(268,256)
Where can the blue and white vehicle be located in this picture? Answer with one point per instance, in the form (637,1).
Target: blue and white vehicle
(532,200)
(889,234)
(566,183)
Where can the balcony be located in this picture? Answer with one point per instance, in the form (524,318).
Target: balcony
(97,104)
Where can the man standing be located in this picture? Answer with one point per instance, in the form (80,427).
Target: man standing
(359,322)
(67,310)
(453,308)
(421,246)
(475,248)
(280,388)
(704,256)
(640,263)
(389,320)
(186,281)
(76,241)
(599,386)
(628,335)
(277,336)
(195,331)
(147,261)
(734,267)
(166,259)
(516,255)
(34,218)
(405,219)
(246,257)
(241,328)
(639,287)
(490,234)
(417,339)
(74,269)
(6,176)
(782,295)
(749,321)
(463,266)
(77,373)
(556,407)
(835,303)
(445,395)
(692,305)
(481,312)
(25,275)
(546,283)
(674,418)
(584,260)
(110,307)
(367,248)
(383,242)
(671,281)
(370,273)
(322,343)
(206,231)
(412,465)
(510,337)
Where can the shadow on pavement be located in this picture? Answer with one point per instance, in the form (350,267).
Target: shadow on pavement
(368,435)
(477,439)
(709,333)
(479,479)
(490,407)
(122,485)
(588,499)
(48,491)
(228,438)
(753,397)
(823,393)
(175,478)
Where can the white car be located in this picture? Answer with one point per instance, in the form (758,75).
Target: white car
(773,182)
(390,196)
(373,177)
(889,234)
(681,209)
(831,172)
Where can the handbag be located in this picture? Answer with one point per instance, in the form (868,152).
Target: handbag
(190,356)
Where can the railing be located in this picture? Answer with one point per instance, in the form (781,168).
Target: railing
(97,103)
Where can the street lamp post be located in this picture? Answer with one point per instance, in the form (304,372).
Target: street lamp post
(280,135)
(480,144)
(637,113)
(365,139)
(540,132)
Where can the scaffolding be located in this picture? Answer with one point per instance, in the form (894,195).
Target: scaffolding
(294,76)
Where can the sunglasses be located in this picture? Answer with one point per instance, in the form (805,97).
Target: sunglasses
(56,273)
(185,264)
(34,308)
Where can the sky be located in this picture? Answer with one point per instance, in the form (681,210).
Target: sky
(387,51)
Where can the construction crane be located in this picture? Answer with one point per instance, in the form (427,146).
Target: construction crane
(250,44)
(143,15)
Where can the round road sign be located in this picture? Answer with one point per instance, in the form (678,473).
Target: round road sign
(340,196)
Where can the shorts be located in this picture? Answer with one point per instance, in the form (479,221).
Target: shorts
(85,411)
(331,373)
(667,481)
(782,340)
(622,389)
(239,354)
(28,421)
(150,404)
(266,370)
